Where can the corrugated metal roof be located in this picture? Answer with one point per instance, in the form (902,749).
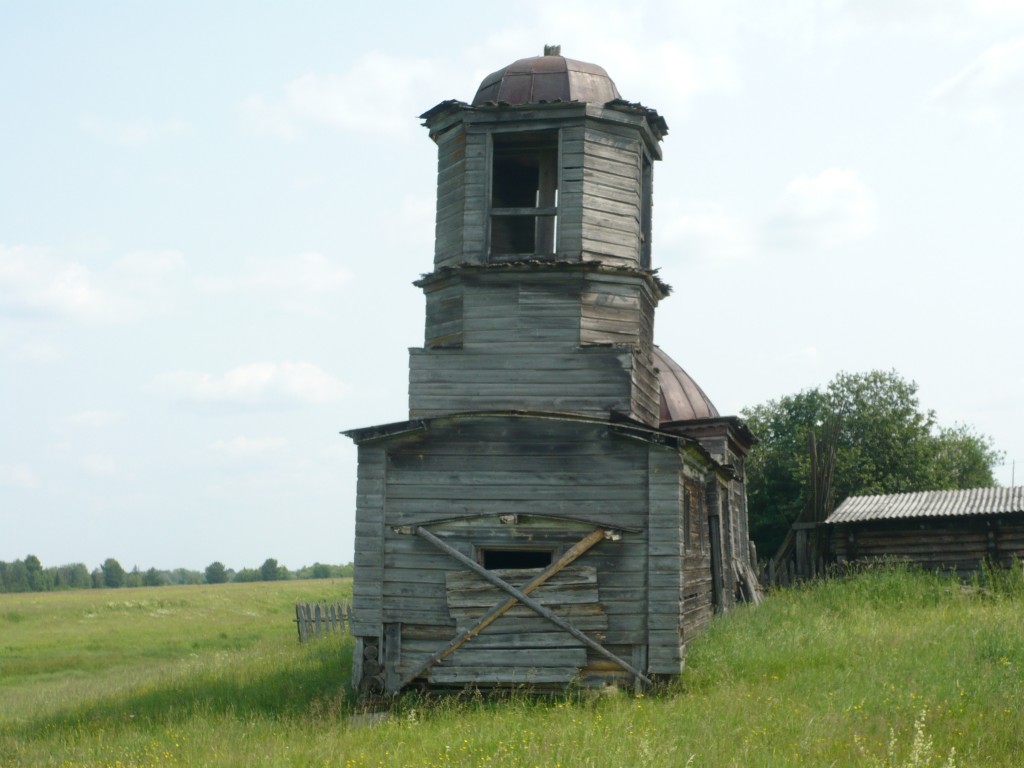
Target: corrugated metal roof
(960,503)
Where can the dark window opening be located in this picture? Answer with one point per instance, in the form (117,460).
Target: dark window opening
(493,559)
(524,194)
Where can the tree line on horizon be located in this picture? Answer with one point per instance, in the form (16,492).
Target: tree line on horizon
(29,575)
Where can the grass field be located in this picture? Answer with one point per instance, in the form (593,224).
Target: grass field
(885,669)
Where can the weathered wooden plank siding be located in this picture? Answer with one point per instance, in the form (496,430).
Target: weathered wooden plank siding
(448,381)
(367,608)
(570,192)
(546,467)
(698,606)
(664,577)
(646,389)
(475,220)
(444,318)
(959,544)
(611,195)
(451,197)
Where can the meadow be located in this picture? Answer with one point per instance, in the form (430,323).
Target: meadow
(887,668)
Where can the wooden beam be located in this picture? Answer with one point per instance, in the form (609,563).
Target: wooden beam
(500,609)
(536,607)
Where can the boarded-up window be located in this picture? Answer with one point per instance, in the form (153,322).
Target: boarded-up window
(524,194)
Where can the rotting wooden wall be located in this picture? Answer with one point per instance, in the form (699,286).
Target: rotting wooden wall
(956,544)
(561,478)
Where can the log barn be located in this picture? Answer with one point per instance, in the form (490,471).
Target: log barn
(955,531)
(563,504)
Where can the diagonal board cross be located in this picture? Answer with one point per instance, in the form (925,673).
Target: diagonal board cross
(520,596)
(500,609)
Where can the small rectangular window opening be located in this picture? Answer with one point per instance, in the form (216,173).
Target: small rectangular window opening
(493,559)
(524,193)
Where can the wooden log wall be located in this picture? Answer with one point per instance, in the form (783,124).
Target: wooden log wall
(500,482)
(958,545)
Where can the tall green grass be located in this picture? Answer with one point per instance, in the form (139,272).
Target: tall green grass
(887,668)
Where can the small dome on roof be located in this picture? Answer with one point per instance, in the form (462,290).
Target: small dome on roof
(551,77)
(681,398)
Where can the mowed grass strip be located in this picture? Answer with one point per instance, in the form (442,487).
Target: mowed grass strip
(888,668)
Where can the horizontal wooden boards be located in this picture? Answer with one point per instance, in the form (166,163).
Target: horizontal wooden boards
(501,675)
(592,381)
(959,545)
(469,595)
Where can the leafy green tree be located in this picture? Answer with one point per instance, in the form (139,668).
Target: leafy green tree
(153,578)
(268,571)
(71,576)
(37,577)
(216,573)
(113,573)
(185,576)
(246,575)
(13,577)
(321,571)
(886,444)
(133,578)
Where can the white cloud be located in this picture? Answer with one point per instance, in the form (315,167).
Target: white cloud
(18,476)
(830,209)
(253,384)
(245,447)
(379,94)
(297,282)
(94,418)
(133,133)
(35,351)
(31,281)
(988,88)
(709,233)
(99,464)
(34,282)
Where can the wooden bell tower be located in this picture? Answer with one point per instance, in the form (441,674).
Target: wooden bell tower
(549,442)
(542,295)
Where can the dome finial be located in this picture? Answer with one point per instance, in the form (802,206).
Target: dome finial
(552,50)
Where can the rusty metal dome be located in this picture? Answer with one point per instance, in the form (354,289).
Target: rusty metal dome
(681,398)
(550,77)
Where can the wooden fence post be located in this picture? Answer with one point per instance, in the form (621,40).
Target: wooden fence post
(316,619)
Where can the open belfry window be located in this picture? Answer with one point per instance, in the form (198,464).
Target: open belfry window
(524,194)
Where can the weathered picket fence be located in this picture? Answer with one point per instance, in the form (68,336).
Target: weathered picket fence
(315,619)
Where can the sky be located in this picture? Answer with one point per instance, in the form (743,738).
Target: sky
(211,215)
